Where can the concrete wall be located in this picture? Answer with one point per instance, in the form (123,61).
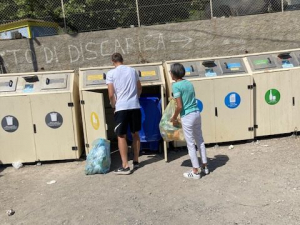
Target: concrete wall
(217,37)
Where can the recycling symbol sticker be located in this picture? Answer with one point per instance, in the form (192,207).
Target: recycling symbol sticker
(10,123)
(95,121)
(54,120)
(272,96)
(200,105)
(232,100)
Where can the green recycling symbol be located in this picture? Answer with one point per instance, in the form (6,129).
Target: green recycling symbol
(272,97)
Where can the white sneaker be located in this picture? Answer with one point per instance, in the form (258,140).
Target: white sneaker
(191,175)
(205,170)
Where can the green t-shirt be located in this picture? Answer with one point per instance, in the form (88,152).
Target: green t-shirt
(185,90)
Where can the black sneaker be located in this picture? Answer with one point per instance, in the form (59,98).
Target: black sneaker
(135,165)
(122,171)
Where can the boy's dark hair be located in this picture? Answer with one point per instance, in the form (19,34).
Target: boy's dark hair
(178,70)
(117,57)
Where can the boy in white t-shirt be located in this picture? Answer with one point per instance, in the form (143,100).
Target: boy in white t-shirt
(124,90)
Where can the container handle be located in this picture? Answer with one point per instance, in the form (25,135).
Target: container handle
(226,65)
(47,81)
(10,84)
(192,68)
(216,111)
(270,61)
(293,101)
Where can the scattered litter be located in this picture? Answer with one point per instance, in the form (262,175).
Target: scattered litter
(257,142)
(17,165)
(230,147)
(216,146)
(39,164)
(51,182)
(10,212)
(264,145)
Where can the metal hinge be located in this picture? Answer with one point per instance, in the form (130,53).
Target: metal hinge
(250,129)
(82,102)
(70,104)
(87,145)
(250,87)
(74,148)
(255,126)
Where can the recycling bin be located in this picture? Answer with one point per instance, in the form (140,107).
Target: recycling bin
(97,114)
(40,117)
(151,115)
(223,88)
(277,96)
(16,133)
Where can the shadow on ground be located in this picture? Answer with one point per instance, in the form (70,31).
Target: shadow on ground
(213,163)
(151,157)
(2,167)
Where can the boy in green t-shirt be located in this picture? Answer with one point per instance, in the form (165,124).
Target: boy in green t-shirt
(184,93)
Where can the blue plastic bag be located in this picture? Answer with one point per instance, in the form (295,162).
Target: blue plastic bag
(98,160)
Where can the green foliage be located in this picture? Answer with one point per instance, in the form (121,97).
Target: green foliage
(88,15)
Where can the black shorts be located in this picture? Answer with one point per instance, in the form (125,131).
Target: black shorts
(131,117)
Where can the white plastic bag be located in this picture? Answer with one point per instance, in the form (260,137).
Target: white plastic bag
(167,130)
(17,165)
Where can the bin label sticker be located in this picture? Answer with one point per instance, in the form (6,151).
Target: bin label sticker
(10,123)
(188,71)
(28,88)
(272,96)
(287,64)
(200,105)
(233,100)
(95,121)
(95,77)
(210,73)
(54,120)
(148,73)
(259,62)
(234,66)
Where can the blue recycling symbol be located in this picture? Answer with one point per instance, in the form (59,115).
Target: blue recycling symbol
(232,100)
(200,105)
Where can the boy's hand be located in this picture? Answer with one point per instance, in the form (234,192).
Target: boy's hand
(175,122)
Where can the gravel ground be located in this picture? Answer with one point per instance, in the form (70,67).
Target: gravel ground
(253,183)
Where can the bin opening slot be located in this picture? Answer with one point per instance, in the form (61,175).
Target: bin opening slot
(285,55)
(209,64)
(31,79)
(286,60)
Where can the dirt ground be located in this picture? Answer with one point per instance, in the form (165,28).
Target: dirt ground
(254,183)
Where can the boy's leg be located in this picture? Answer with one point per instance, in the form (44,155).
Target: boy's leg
(135,123)
(121,120)
(187,125)
(122,143)
(199,139)
(136,144)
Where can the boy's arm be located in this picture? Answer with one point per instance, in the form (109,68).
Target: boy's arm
(177,111)
(177,97)
(111,95)
(139,88)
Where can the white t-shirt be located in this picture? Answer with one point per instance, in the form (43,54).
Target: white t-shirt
(124,79)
